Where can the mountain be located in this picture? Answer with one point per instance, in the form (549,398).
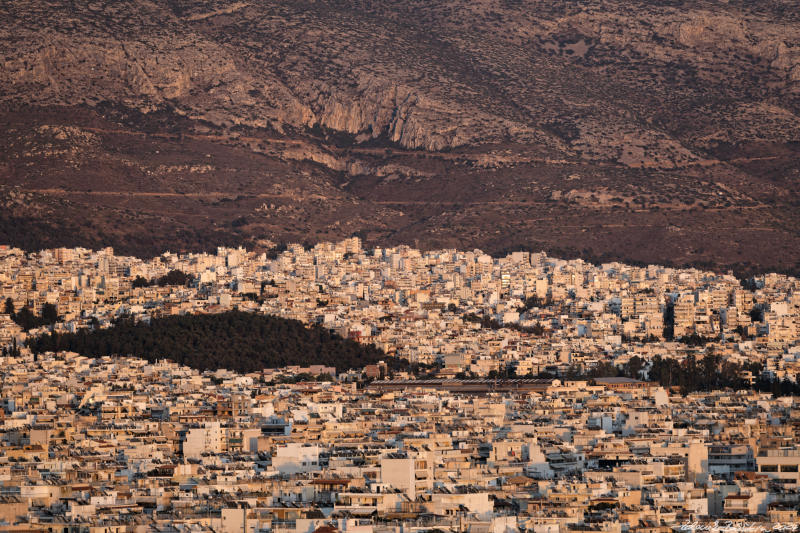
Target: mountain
(661,131)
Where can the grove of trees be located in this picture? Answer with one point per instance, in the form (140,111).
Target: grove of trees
(173,277)
(239,341)
(27,319)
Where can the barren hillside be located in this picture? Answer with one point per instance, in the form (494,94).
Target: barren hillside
(657,131)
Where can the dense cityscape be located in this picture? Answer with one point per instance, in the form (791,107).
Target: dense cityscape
(400,266)
(534,394)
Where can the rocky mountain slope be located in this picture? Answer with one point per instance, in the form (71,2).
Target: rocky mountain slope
(658,131)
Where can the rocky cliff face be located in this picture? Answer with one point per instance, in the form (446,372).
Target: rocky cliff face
(380,73)
(463,123)
(145,57)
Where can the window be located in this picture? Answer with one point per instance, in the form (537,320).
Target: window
(788,468)
(769,468)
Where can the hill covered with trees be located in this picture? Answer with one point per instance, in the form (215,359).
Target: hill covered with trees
(244,342)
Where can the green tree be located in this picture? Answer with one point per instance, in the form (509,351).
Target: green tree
(634,367)
(26,319)
(175,277)
(140,282)
(49,313)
